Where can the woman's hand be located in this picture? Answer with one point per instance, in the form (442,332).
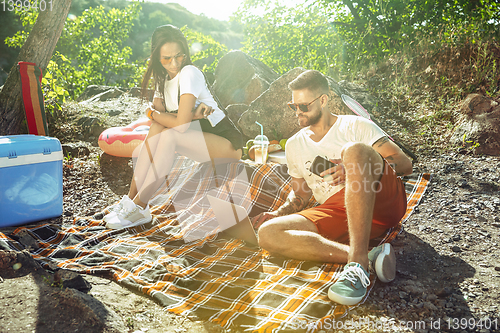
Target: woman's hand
(202,111)
(150,111)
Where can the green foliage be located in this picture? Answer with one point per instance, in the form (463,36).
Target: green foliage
(90,51)
(28,19)
(93,47)
(284,38)
(54,93)
(347,35)
(94,42)
(378,28)
(205,51)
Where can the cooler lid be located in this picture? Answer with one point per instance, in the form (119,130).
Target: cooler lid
(27,144)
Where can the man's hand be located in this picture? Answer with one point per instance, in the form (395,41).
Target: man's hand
(336,174)
(202,111)
(263,217)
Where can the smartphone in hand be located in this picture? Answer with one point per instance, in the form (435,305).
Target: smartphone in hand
(321,164)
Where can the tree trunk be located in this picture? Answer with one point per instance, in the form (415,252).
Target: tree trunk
(38,48)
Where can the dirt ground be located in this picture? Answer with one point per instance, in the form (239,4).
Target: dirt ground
(448,274)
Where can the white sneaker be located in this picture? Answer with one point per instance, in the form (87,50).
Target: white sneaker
(114,209)
(129,216)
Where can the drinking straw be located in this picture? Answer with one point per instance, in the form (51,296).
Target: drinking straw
(261,128)
(261,137)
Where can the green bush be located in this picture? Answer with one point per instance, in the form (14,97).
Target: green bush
(205,51)
(345,36)
(89,51)
(284,38)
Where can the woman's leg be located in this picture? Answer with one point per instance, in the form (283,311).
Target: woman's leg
(145,157)
(196,145)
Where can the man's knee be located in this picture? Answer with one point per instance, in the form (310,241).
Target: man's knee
(267,235)
(361,158)
(356,149)
(273,232)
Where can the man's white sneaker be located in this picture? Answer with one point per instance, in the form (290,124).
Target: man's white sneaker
(383,261)
(129,216)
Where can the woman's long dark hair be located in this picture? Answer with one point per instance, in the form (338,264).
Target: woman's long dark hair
(162,35)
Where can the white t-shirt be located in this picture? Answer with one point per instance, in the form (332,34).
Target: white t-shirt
(190,80)
(301,150)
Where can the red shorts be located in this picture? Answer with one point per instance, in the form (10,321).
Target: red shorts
(390,206)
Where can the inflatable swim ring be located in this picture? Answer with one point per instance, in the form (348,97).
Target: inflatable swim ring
(121,141)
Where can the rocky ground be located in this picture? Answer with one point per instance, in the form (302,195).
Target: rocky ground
(448,275)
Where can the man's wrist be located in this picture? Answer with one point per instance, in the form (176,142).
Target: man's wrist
(294,204)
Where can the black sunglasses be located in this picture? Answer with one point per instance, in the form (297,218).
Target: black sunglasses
(302,107)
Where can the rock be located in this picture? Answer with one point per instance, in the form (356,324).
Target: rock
(413,289)
(271,109)
(14,264)
(92,91)
(136,92)
(240,79)
(92,312)
(91,126)
(106,95)
(444,292)
(234,112)
(456,249)
(70,279)
(7,260)
(429,306)
(25,238)
(479,125)
(75,149)
(357,92)
(113,113)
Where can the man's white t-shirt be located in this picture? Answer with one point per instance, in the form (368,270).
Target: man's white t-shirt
(190,80)
(301,150)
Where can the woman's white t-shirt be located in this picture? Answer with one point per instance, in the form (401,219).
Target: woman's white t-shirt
(190,80)
(301,150)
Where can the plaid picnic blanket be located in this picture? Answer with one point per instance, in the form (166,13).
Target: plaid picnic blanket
(181,261)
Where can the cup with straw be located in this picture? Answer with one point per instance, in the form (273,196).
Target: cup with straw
(261,143)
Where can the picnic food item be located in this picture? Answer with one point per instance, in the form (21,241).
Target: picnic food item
(270,149)
(283,143)
(121,141)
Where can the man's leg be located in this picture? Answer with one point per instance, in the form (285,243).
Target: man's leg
(296,237)
(363,167)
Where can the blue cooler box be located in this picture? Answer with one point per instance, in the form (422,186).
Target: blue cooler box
(30,179)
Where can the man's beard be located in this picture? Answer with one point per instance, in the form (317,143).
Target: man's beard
(313,120)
